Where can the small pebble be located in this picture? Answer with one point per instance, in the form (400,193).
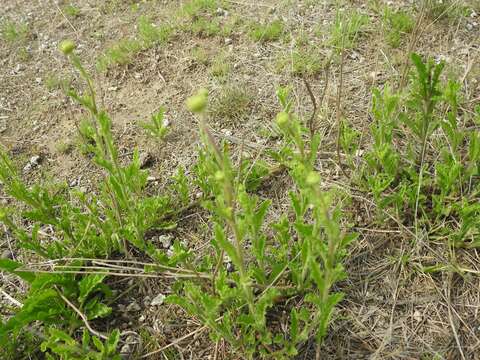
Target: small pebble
(166,241)
(158,300)
(133,307)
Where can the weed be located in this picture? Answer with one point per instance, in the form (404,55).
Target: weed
(220,67)
(63,147)
(397,23)
(123,51)
(120,53)
(158,126)
(196,8)
(268,32)
(231,104)
(421,190)
(150,34)
(204,27)
(303,62)
(71,10)
(54,82)
(239,300)
(14,32)
(200,55)
(444,9)
(87,225)
(346,29)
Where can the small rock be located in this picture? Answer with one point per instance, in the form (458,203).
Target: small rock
(151,179)
(133,307)
(38,80)
(6,254)
(141,318)
(19,68)
(166,241)
(113,88)
(228,41)
(33,162)
(469,26)
(158,300)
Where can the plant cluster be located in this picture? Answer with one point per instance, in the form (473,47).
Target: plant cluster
(256,269)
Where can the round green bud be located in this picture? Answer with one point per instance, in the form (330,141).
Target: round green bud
(67,46)
(313,178)
(282,119)
(198,102)
(219,175)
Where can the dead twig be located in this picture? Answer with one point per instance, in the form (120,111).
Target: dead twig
(82,316)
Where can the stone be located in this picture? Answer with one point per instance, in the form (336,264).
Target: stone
(158,300)
(133,307)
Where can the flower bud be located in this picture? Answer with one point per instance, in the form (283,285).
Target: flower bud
(198,103)
(282,119)
(67,46)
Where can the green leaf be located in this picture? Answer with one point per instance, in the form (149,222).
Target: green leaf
(88,284)
(11,266)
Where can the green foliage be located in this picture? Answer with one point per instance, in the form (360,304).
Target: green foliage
(45,303)
(151,34)
(425,179)
(347,28)
(14,32)
(124,51)
(196,8)
(397,24)
(303,62)
(303,259)
(232,103)
(71,10)
(158,125)
(220,67)
(268,32)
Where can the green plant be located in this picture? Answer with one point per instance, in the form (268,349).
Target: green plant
(427,179)
(50,301)
(85,225)
(196,8)
(151,34)
(120,53)
(158,125)
(71,10)
(302,259)
(347,28)
(124,51)
(232,103)
(220,67)
(268,32)
(14,32)
(397,23)
(303,62)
